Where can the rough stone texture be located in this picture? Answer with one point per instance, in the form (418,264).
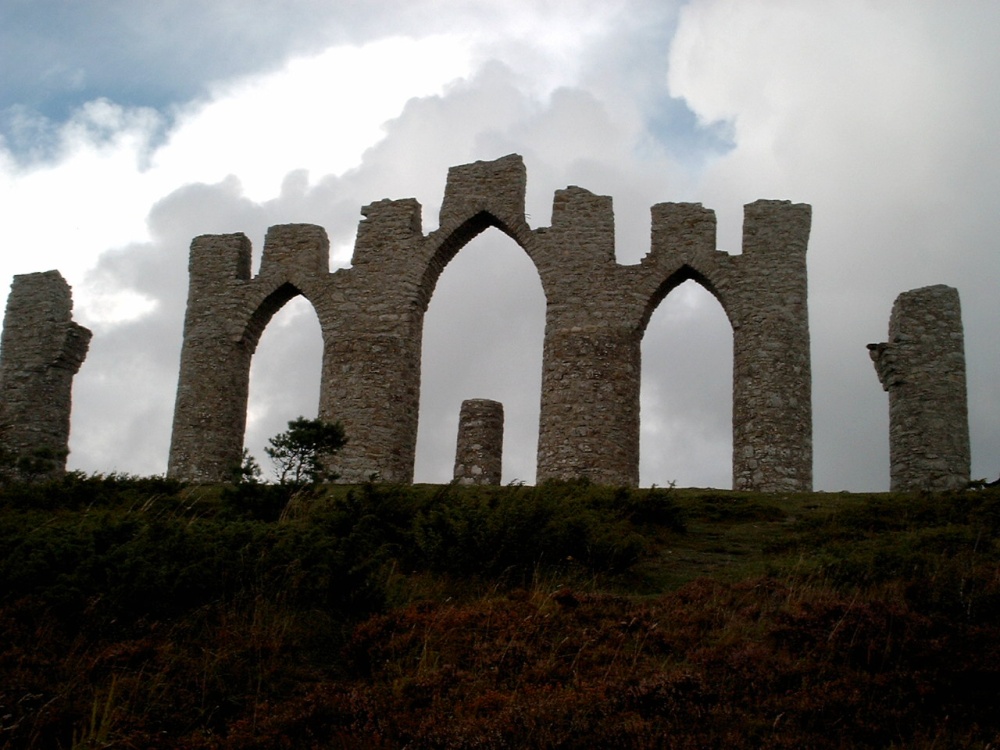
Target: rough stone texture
(40,352)
(372,314)
(479,449)
(922,367)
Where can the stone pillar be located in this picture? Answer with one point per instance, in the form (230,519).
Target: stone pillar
(589,424)
(211,408)
(40,352)
(371,365)
(479,451)
(922,367)
(772,381)
(589,419)
(371,383)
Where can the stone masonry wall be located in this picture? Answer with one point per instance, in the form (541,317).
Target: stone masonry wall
(371,316)
(922,366)
(479,448)
(40,352)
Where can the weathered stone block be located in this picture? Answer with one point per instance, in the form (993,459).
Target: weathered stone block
(494,186)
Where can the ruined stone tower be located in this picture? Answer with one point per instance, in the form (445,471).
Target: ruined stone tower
(40,352)
(371,316)
(922,366)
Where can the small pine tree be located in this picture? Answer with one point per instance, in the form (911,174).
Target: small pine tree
(248,472)
(300,454)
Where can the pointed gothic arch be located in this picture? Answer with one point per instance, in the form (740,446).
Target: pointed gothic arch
(686,391)
(474,356)
(285,374)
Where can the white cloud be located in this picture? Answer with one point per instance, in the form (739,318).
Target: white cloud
(92,196)
(318,113)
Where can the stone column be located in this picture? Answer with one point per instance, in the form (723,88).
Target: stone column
(371,383)
(479,450)
(589,425)
(922,367)
(211,407)
(589,418)
(772,381)
(40,352)
(371,365)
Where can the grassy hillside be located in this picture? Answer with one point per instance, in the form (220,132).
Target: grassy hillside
(139,613)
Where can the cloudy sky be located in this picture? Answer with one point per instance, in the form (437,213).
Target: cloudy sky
(127,128)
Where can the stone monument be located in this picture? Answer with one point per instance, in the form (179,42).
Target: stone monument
(479,449)
(922,366)
(40,352)
(371,317)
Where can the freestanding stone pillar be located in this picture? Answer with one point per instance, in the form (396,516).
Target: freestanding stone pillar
(922,366)
(40,352)
(479,452)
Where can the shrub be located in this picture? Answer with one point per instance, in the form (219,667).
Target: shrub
(300,454)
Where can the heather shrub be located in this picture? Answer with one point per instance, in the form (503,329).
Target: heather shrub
(512,533)
(75,490)
(384,616)
(256,501)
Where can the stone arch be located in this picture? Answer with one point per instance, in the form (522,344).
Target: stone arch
(226,313)
(394,270)
(448,242)
(689,407)
(285,368)
(266,297)
(266,309)
(473,336)
(764,294)
(683,274)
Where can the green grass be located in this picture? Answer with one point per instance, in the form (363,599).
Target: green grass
(143,613)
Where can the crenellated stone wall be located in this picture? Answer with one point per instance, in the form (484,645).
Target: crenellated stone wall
(371,316)
(922,367)
(479,448)
(40,352)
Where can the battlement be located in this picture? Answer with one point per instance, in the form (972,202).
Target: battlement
(776,228)
(680,230)
(583,223)
(496,187)
(295,248)
(386,225)
(216,258)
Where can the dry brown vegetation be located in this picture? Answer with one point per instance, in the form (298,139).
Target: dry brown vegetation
(138,613)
